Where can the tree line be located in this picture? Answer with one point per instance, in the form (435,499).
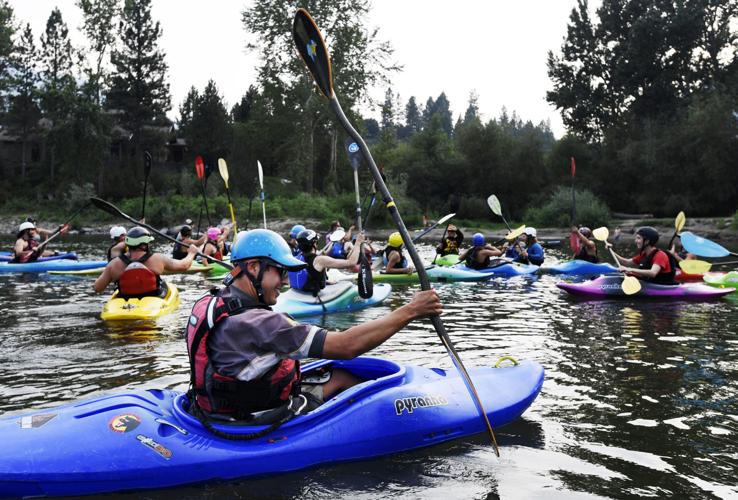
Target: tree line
(647,91)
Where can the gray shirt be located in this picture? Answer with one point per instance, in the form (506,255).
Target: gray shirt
(249,344)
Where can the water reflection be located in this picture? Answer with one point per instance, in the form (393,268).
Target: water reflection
(640,398)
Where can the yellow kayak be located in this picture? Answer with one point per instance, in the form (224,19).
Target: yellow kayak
(196,267)
(117,309)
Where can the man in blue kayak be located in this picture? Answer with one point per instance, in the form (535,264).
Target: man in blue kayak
(245,358)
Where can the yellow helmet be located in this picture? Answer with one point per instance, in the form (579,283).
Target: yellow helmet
(395,240)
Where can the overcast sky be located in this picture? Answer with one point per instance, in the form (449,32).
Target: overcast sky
(493,47)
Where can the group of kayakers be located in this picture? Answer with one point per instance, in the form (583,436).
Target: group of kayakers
(244,357)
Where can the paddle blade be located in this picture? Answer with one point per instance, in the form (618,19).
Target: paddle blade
(631,285)
(311,47)
(223,169)
(147,163)
(702,246)
(679,222)
(514,234)
(106,207)
(444,219)
(695,266)
(261,174)
(494,205)
(199,167)
(601,233)
(574,243)
(365,283)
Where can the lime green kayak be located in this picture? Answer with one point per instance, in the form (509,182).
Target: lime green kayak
(722,280)
(447,260)
(217,271)
(436,274)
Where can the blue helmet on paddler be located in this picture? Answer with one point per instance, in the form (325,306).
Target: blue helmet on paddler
(268,249)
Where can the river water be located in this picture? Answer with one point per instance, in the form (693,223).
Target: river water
(640,398)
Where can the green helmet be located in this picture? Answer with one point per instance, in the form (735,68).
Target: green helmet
(138,236)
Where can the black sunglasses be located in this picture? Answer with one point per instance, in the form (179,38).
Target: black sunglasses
(281,270)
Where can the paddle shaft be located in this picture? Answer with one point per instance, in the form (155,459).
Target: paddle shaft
(58,230)
(422,274)
(112,208)
(143,201)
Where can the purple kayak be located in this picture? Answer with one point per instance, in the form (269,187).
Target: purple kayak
(609,287)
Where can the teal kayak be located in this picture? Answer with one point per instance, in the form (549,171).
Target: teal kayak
(51,265)
(337,298)
(147,439)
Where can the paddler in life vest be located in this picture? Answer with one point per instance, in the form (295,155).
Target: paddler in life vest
(313,277)
(184,237)
(478,256)
(531,252)
(118,245)
(28,240)
(451,243)
(215,243)
(587,246)
(245,358)
(339,243)
(394,261)
(650,263)
(137,271)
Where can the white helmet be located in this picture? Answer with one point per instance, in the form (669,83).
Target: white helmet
(26,225)
(530,231)
(116,232)
(337,235)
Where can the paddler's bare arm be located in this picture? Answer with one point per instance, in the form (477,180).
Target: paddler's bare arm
(362,338)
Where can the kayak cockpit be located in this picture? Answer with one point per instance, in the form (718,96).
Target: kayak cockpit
(378,374)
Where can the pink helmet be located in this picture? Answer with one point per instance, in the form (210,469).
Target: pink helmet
(213,233)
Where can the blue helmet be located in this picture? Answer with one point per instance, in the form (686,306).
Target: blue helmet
(478,240)
(296,229)
(264,244)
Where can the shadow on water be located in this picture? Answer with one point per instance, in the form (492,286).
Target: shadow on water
(640,398)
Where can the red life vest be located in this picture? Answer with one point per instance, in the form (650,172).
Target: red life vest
(138,280)
(218,254)
(224,395)
(31,244)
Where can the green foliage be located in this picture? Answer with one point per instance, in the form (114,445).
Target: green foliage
(556,211)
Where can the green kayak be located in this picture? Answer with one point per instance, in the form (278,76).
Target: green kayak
(722,280)
(447,260)
(436,274)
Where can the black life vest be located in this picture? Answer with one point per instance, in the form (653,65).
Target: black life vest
(217,255)
(449,246)
(110,249)
(583,255)
(316,280)
(402,263)
(223,395)
(471,259)
(664,277)
(179,251)
(138,280)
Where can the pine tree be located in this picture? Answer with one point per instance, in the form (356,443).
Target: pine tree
(139,85)
(7,31)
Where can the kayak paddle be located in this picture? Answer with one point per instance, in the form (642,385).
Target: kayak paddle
(312,49)
(200,171)
(108,207)
(703,247)
(494,205)
(261,185)
(364,282)
(630,284)
(223,169)
(147,171)
(58,231)
(692,266)
(574,242)
(678,226)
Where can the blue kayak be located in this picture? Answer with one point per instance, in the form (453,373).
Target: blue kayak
(51,265)
(580,267)
(505,269)
(145,439)
(8,256)
(340,297)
